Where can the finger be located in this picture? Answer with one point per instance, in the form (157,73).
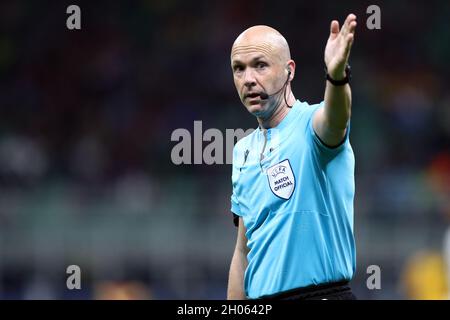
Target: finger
(352,27)
(346,26)
(349,42)
(334,29)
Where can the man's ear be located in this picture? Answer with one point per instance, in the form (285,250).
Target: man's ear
(290,69)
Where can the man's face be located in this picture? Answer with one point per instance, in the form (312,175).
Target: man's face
(257,69)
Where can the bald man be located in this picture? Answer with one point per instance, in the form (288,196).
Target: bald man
(293,177)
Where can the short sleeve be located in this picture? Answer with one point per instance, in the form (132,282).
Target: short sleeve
(235,209)
(235,205)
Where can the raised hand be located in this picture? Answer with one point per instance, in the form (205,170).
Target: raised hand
(338,46)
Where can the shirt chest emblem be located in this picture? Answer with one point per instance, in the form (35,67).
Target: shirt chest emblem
(281,179)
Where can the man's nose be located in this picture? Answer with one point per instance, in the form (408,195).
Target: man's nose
(249,78)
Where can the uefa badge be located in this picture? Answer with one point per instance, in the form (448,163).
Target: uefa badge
(281,179)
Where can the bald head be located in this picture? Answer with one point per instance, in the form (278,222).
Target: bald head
(264,38)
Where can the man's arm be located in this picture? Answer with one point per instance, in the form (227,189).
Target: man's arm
(238,265)
(330,123)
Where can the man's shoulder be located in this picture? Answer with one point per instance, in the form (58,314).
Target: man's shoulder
(310,107)
(307,111)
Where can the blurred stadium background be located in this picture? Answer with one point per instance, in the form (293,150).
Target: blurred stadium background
(86,119)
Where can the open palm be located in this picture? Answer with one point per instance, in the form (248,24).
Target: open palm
(338,46)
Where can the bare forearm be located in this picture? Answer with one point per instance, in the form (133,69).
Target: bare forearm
(236,277)
(338,102)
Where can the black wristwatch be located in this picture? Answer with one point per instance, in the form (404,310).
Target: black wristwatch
(348,76)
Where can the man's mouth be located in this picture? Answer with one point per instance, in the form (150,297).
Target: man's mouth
(252,95)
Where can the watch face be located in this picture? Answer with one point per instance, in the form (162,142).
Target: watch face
(348,72)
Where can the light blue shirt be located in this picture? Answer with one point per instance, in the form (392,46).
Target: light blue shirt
(296,200)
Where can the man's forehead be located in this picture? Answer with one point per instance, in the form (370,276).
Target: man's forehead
(251,52)
(263,47)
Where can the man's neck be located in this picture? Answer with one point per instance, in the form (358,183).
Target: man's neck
(280,112)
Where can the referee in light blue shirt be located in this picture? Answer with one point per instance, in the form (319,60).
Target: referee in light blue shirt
(293,177)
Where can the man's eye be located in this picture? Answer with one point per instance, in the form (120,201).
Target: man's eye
(261,65)
(238,68)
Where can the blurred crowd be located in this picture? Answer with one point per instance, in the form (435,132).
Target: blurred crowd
(86,118)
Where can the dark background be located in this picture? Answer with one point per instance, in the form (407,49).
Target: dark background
(86,118)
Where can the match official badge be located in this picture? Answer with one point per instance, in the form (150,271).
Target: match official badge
(281,179)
